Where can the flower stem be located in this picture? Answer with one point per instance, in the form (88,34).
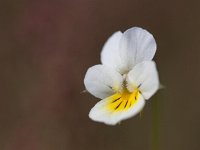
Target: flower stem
(155,123)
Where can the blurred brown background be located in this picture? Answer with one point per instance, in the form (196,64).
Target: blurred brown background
(46,46)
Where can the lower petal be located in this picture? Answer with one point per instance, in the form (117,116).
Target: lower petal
(117,107)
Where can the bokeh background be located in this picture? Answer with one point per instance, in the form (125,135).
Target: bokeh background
(46,46)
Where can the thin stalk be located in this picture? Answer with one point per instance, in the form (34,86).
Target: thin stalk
(155,123)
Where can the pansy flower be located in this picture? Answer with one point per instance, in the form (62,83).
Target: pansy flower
(125,79)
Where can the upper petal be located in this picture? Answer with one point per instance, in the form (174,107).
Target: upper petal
(123,51)
(145,77)
(110,54)
(137,45)
(102,81)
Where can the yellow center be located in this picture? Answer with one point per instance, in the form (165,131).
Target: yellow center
(123,101)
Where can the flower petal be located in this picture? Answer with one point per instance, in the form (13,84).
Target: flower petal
(123,51)
(110,54)
(102,81)
(101,112)
(145,77)
(137,45)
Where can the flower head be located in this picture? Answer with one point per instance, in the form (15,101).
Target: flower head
(126,78)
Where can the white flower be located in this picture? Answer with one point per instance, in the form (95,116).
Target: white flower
(125,79)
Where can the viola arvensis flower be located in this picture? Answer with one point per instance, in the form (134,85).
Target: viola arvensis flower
(126,78)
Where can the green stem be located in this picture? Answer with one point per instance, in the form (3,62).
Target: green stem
(155,123)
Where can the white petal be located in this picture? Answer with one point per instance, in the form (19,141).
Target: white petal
(123,51)
(99,112)
(110,54)
(102,81)
(137,45)
(144,76)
